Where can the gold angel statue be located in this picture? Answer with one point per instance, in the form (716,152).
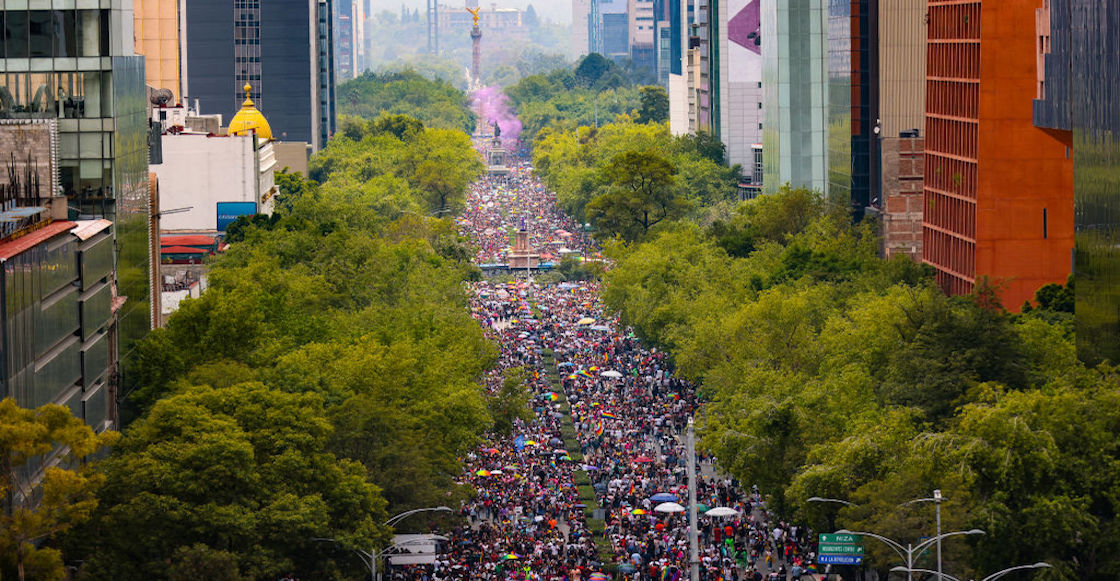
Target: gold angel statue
(474,13)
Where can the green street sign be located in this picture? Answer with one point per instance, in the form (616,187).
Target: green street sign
(840,549)
(839,539)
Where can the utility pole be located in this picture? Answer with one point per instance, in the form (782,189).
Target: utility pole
(937,500)
(693,545)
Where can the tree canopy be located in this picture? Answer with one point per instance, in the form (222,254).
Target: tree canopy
(330,373)
(831,372)
(64,497)
(434,102)
(585,163)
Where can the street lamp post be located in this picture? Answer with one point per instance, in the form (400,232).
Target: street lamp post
(907,553)
(371,557)
(936,499)
(992,577)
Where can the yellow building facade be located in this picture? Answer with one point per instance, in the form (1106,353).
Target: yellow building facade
(157,38)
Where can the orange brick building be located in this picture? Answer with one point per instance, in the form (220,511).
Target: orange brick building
(998,196)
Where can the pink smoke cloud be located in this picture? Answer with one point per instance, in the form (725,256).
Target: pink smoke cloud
(494,106)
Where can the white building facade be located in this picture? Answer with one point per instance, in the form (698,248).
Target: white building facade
(201,173)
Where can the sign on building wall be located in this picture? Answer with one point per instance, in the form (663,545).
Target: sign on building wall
(228,212)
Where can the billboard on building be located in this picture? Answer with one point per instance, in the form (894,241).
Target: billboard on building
(742,113)
(229,212)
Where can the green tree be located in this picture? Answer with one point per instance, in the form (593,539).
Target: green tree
(592,68)
(435,103)
(654,105)
(704,144)
(640,196)
(237,478)
(64,497)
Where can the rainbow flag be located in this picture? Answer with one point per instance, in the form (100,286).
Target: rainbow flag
(599,429)
(610,415)
(584,373)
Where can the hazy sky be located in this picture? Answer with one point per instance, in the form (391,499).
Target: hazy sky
(558,11)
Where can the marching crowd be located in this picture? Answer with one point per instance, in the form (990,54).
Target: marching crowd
(616,426)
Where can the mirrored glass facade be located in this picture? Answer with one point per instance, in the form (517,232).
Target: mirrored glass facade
(56,312)
(852,106)
(76,63)
(795,94)
(1079,92)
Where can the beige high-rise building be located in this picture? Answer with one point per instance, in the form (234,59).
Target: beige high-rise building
(157,38)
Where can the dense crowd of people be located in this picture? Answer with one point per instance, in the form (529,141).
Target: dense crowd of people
(628,414)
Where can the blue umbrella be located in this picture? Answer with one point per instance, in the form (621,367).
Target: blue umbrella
(663,497)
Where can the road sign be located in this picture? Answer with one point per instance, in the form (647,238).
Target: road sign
(840,539)
(839,559)
(840,549)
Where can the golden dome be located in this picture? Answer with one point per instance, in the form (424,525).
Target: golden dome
(249,119)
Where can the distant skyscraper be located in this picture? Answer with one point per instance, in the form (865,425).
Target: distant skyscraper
(612,28)
(581,15)
(795,94)
(1078,94)
(346,53)
(642,27)
(694,67)
(998,190)
(284,48)
(741,113)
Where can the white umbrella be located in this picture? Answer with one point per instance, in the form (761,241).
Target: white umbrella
(669,507)
(611,373)
(722,511)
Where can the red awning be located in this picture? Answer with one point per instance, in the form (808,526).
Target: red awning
(196,240)
(182,250)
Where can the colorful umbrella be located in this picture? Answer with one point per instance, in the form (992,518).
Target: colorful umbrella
(483,473)
(643,459)
(510,557)
(638,512)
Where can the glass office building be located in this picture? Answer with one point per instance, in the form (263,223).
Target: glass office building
(851,102)
(795,94)
(67,61)
(283,48)
(1079,92)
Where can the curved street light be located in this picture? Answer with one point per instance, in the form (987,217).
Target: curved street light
(398,518)
(992,577)
(836,500)
(371,556)
(907,552)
